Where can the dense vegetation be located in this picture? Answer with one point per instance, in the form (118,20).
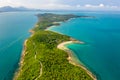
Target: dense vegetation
(47,20)
(42,48)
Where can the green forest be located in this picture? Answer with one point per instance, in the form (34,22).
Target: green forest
(43,60)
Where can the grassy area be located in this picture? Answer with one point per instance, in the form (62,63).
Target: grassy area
(42,47)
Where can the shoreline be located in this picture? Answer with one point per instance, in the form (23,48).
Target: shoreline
(59,46)
(71,58)
(70,53)
(17,73)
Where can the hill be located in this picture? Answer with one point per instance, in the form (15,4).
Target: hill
(11,9)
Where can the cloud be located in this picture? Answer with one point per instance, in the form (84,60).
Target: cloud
(94,6)
(10,3)
(100,7)
(56,5)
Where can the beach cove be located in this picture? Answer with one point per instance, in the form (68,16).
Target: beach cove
(99,53)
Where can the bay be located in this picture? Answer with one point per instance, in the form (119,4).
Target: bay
(101,51)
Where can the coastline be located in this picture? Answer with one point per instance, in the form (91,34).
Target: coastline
(17,73)
(59,46)
(70,57)
(31,31)
(70,53)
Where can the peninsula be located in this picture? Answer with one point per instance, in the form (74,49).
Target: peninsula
(46,58)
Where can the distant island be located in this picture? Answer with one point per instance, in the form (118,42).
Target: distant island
(45,56)
(12,9)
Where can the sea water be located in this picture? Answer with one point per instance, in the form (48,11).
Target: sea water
(101,34)
(14,29)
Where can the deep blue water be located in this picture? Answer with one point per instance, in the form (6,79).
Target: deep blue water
(101,51)
(14,27)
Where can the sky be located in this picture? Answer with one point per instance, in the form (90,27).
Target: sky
(64,4)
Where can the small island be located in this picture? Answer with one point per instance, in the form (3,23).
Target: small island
(46,58)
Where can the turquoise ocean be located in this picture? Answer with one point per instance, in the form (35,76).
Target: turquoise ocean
(101,34)
(14,29)
(101,51)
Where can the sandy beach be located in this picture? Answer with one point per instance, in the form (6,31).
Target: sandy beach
(70,57)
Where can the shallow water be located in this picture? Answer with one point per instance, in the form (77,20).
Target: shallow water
(101,51)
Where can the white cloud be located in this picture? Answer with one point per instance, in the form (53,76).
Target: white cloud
(74,7)
(9,3)
(94,6)
(54,4)
(101,5)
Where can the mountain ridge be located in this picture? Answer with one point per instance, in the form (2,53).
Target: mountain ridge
(11,9)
